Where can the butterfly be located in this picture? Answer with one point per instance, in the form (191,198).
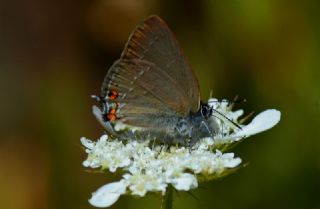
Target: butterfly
(153,88)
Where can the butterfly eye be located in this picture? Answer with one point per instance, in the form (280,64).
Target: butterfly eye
(206,111)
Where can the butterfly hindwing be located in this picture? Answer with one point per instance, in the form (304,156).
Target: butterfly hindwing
(152,78)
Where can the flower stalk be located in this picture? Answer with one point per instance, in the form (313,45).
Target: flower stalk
(167,199)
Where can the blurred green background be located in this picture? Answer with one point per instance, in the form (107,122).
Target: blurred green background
(54,55)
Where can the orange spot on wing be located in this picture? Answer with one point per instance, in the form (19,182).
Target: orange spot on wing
(112,111)
(113,94)
(111,117)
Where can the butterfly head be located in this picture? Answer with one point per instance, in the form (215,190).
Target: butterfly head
(205,110)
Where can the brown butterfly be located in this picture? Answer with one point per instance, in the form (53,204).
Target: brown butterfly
(152,87)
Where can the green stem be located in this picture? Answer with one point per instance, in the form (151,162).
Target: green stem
(167,199)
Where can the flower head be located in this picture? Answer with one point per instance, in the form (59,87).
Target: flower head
(148,168)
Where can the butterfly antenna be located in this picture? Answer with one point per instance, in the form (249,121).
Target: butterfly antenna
(226,118)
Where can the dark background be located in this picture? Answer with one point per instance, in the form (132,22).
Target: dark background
(54,55)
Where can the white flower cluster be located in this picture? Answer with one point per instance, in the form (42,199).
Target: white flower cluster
(152,169)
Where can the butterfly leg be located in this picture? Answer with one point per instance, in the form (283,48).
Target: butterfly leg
(202,131)
(206,126)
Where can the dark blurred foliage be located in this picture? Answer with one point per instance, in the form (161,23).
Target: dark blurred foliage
(54,54)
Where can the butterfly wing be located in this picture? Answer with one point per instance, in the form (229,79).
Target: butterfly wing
(152,77)
(144,92)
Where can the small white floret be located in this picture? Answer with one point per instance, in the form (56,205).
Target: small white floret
(108,194)
(185,182)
